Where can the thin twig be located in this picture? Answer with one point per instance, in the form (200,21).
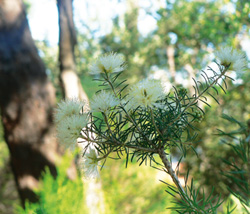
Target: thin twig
(175,179)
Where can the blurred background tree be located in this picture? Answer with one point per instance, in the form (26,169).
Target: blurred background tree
(185,35)
(26,99)
(70,83)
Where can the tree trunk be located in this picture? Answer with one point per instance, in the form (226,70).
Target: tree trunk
(26,101)
(71,84)
(171,62)
(191,74)
(191,71)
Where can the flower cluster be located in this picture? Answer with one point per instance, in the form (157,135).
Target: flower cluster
(108,63)
(103,102)
(70,122)
(90,163)
(67,108)
(145,94)
(152,118)
(233,59)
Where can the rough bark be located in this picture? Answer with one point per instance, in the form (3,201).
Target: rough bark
(71,84)
(26,101)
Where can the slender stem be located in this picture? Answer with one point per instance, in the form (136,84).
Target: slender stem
(171,172)
(175,179)
(110,84)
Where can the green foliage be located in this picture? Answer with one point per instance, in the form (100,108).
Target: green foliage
(200,23)
(202,26)
(238,170)
(205,168)
(58,195)
(196,202)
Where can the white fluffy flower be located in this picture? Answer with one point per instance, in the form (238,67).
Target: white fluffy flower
(103,101)
(67,108)
(69,129)
(90,163)
(233,58)
(109,63)
(145,94)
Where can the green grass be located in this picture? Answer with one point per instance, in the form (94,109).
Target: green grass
(60,195)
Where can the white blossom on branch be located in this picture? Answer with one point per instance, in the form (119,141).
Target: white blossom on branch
(103,101)
(108,63)
(69,129)
(68,108)
(90,163)
(145,94)
(235,59)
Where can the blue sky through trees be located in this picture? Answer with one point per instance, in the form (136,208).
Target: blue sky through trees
(43,16)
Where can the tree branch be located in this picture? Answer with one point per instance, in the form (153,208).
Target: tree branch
(175,179)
